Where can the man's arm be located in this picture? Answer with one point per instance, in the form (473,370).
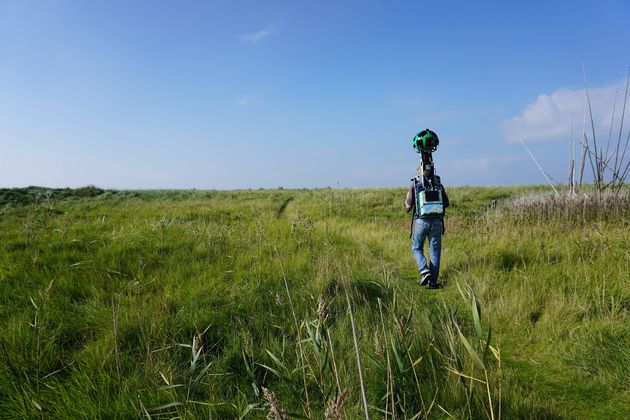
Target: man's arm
(410,200)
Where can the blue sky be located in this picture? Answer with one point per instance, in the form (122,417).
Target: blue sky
(249,94)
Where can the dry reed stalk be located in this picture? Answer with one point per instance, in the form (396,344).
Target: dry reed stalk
(446,412)
(582,163)
(358,353)
(390,386)
(612,122)
(498,357)
(332,355)
(623,114)
(571,175)
(297,328)
(144,411)
(622,178)
(590,155)
(539,167)
(115,310)
(485,371)
(415,375)
(571,181)
(598,164)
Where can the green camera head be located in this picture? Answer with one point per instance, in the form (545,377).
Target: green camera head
(425,141)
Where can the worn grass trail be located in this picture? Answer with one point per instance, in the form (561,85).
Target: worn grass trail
(222,304)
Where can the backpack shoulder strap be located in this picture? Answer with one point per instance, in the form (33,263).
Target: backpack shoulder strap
(414,181)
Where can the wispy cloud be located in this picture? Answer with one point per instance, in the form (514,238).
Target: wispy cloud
(248,100)
(481,163)
(429,113)
(550,116)
(255,37)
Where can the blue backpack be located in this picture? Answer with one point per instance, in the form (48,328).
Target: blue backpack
(429,199)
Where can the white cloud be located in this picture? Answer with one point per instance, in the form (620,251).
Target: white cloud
(255,37)
(551,115)
(481,163)
(425,111)
(248,100)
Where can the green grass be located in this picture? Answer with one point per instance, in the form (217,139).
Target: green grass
(175,303)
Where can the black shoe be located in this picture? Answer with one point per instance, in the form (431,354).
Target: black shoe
(434,286)
(425,278)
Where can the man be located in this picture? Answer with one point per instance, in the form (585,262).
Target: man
(428,219)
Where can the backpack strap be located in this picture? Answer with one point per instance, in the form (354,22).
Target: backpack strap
(415,206)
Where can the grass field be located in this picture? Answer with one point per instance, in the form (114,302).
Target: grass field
(228,304)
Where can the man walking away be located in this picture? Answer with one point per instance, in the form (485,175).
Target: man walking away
(426,223)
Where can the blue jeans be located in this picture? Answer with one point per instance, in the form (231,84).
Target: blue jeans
(431,228)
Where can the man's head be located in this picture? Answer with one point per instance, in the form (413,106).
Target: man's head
(424,169)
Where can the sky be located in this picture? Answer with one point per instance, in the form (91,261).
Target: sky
(232,94)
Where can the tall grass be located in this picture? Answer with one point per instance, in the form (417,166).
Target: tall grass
(243,304)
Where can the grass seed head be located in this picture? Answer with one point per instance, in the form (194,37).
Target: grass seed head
(248,342)
(279,299)
(335,407)
(378,346)
(322,313)
(197,340)
(275,411)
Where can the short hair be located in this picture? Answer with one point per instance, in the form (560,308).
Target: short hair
(421,171)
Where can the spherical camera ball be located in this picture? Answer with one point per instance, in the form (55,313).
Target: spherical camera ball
(425,141)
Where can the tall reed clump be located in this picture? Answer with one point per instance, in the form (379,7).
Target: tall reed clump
(570,209)
(610,165)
